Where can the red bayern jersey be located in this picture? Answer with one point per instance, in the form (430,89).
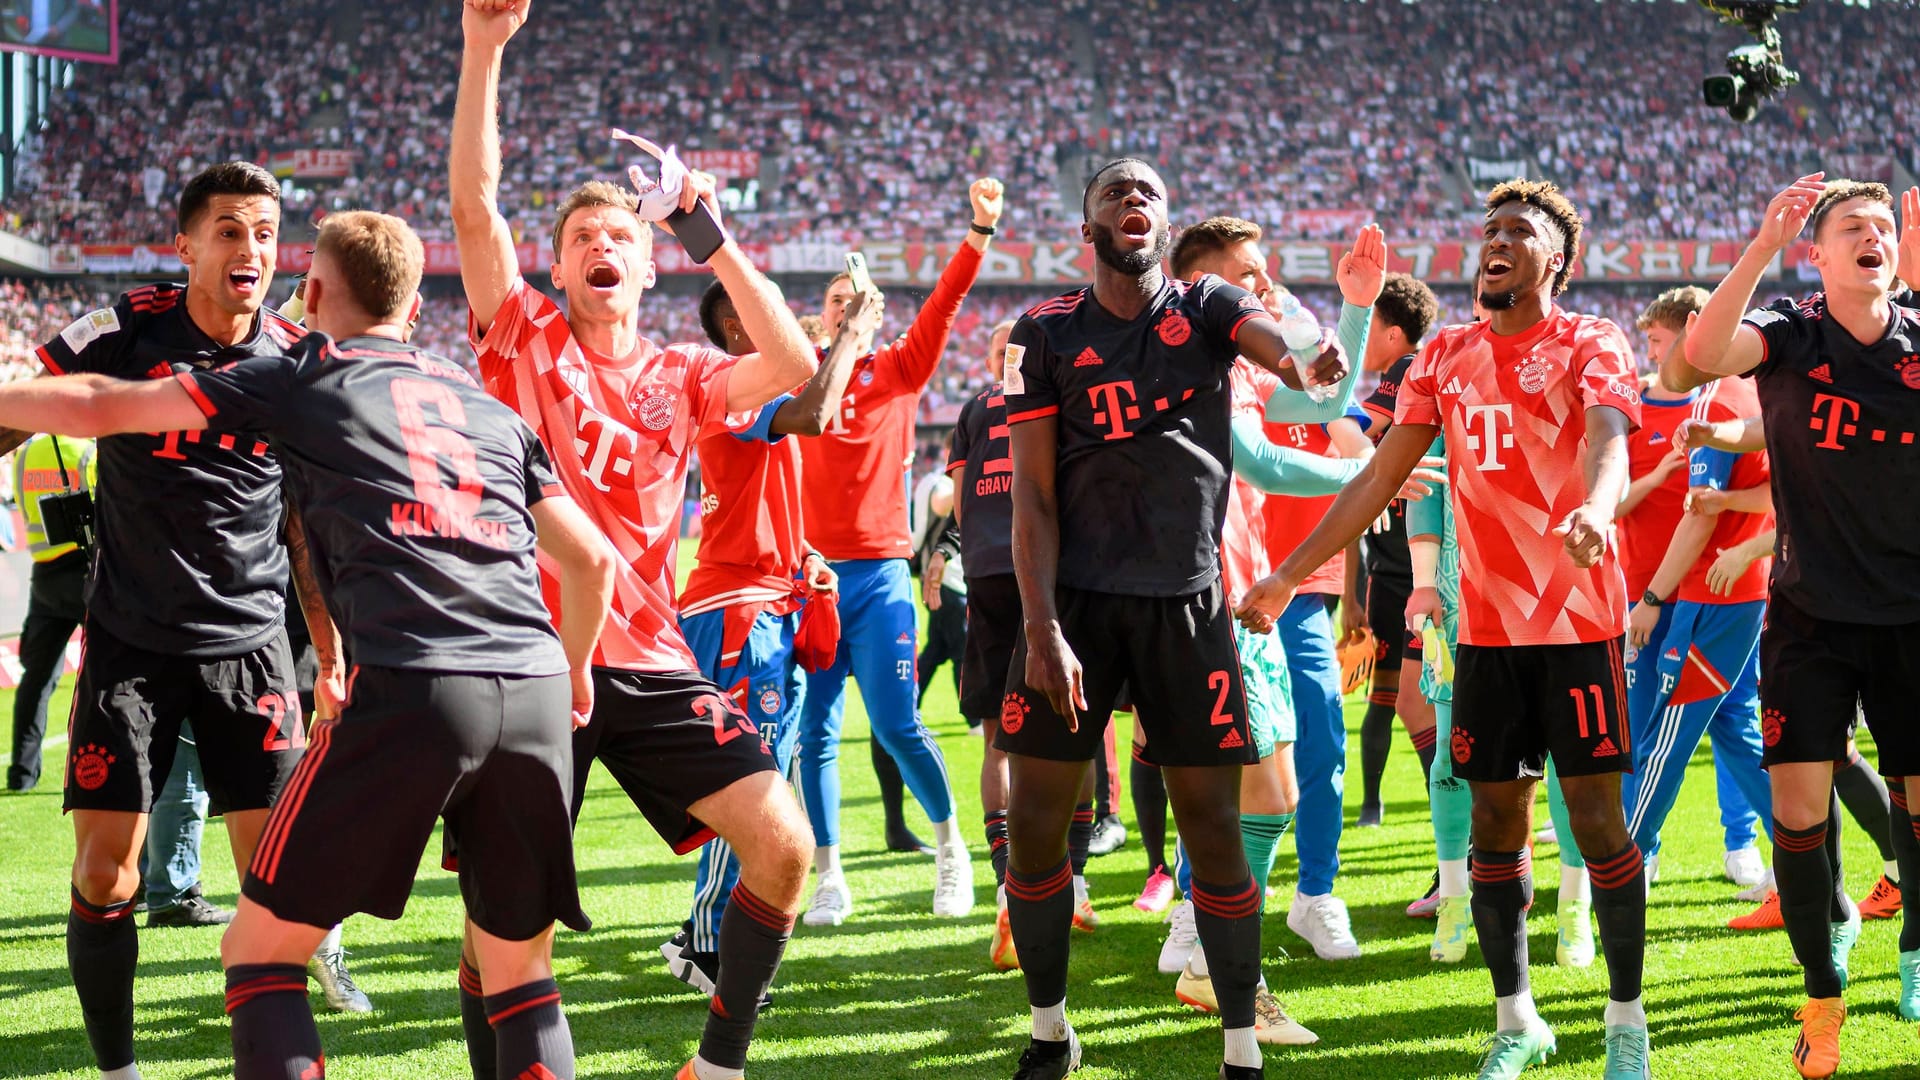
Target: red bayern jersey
(1641,535)
(750,535)
(1289,518)
(855,477)
(1734,399)
(1243,536)
(1513,409)
(623,461)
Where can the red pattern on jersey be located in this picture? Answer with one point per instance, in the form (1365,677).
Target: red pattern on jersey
(1735,399)
(856,471)
(1243,538)
(1290,518)
(1514,411)
(1642,534)
(624,462)
(750,535)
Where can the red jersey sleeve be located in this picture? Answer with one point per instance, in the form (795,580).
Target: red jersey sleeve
(1418,400)
(1607,375)
(908,362)
(707,372)
(517,322)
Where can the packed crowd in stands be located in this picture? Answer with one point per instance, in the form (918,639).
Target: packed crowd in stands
(866,128)
(32,312)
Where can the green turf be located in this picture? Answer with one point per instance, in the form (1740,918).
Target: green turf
(895,993)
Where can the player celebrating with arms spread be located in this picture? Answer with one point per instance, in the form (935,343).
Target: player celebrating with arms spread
(1118,400)
(1535,405)
(619,415)
(1836,375)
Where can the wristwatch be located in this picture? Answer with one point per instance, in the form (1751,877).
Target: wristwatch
(1651,600)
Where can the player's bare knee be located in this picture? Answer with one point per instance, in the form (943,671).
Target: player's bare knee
(101,879)
(1498,827)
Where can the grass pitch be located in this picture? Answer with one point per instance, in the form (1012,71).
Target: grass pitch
(897,993)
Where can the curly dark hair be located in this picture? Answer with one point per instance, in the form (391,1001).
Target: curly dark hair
(1545,196)
(1839,191)
(711,304)
(1406,302)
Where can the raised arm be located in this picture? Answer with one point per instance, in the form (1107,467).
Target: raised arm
(1349,516)
(812,409)
(572,541)
(1718,343)
(1742,436)
(785,358)
(88,406)
(488,265)
(915,355)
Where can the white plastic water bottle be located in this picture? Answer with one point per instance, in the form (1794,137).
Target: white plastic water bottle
(1301,332)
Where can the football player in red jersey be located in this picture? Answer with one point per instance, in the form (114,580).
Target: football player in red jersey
(619,416)
(1536,405)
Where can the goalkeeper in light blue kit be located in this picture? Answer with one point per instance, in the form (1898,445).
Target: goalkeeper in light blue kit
(1433,622)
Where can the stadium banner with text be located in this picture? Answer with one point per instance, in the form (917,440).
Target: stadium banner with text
(1309,262)
(86,30)
(312,163)
(1321,222)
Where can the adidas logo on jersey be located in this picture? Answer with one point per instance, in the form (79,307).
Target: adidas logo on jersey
(1088,358)
(1453,386)
(1672,654)
(905,638)
(1823,373)
(1656,438)
(1606,748)
(1233,741)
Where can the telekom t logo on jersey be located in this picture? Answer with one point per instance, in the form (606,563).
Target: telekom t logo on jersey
(612,447)
(1489,431)
(1110,410)
(1832,418)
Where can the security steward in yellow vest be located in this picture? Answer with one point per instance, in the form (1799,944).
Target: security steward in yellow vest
(56,599)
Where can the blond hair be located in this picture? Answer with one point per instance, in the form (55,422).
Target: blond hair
(379,257)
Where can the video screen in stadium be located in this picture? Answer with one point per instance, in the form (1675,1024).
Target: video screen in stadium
(71,29)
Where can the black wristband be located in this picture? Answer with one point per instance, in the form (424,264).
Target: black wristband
(983,230)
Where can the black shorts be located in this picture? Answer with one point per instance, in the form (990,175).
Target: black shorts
(127,710)
(491,755)
(1387,616)
(670,738)
(1813,672)
(993,623)
(1515,704)
(1176,657)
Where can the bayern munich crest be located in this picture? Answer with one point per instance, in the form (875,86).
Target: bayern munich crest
(654,407)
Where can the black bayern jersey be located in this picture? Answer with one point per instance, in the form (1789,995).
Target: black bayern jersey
(1842,419)
(190,559)
(1386,550)
(414,486)
(978,451)
(1145,451)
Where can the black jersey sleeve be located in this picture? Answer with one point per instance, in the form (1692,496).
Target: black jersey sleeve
(541,480)
(1224,309)
(1784,331)
(1029,377)
(244,396)
(96,342)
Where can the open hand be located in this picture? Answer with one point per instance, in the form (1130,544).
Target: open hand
(1787,213)
(1910,238)
(1363,271)
(1264,602)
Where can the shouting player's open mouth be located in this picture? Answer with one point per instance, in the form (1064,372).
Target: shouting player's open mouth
(1871,260)
(1494,270)
(1136,226)
(245,280)
(603,277)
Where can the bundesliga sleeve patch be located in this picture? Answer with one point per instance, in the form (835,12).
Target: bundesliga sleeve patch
(89,328)
(1011,379)
(1761,318)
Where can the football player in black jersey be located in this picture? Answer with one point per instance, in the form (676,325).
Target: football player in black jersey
(1117,398)
(185,611)
(420,496)
(1839,381)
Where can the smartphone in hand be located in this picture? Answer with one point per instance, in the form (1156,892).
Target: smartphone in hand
(857,272)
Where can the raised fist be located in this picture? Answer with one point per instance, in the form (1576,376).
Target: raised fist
(989,201)
(493,22)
